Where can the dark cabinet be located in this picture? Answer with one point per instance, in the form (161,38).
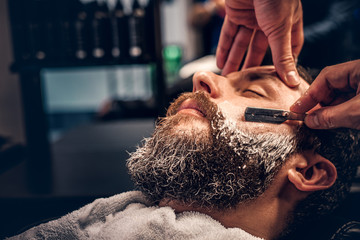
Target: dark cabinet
(51,36)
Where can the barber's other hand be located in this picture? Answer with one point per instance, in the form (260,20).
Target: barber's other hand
(252,25)
(337,89)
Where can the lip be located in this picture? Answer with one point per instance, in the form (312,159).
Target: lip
(190,106)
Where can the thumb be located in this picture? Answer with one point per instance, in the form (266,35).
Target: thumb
(280,44)
(346,115)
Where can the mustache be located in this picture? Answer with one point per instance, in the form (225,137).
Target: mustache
(206,106)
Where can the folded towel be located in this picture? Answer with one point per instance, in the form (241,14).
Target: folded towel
(131,216)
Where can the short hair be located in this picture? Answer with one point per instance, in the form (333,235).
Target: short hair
(305,74)
(341,147)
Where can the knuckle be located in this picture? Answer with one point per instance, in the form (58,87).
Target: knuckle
(327,120)
(277,32)
(325,71)
(286,59)
(228,36)
(284,63)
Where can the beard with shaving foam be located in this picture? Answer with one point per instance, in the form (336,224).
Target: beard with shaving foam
(217,168)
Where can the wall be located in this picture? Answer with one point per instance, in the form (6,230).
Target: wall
(176,29)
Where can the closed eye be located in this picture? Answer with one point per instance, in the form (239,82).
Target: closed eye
(252,92)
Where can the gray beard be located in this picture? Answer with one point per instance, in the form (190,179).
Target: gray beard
(218,168)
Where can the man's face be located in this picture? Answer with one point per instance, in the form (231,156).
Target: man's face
(253,87)
(205,153)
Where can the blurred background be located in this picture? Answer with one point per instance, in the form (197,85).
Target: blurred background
(82,82)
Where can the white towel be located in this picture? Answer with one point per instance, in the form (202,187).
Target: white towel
(130,216)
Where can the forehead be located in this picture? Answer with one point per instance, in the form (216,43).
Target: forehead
(264,69)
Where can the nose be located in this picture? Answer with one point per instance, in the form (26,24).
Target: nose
(208,82)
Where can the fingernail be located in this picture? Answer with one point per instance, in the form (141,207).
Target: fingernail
(298,103)
(292,78)
(313,119)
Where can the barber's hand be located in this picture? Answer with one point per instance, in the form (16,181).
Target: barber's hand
(252,25)
(337,89)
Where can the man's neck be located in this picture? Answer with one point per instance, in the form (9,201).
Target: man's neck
(263,217)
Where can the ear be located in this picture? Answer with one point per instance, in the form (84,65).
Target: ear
(312,172)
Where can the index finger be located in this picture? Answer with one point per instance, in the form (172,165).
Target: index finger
(316,93)
(284,62)
(227,34)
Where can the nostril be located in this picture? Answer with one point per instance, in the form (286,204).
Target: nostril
(205,86)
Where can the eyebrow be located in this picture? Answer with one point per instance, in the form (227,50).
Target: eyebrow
(258,76)
(263,77)
(254,76)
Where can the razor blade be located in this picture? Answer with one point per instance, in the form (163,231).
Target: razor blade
(267,115)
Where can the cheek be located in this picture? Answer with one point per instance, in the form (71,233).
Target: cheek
(234,114)
(231,111)
(257,127)
(288,99)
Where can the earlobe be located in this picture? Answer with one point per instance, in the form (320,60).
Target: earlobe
(319,174)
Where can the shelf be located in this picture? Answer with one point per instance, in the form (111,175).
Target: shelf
(37,66)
